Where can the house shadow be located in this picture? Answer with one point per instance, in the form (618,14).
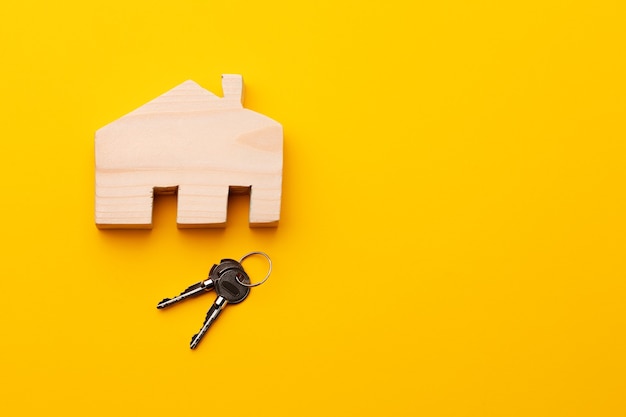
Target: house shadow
(165,229)
(237,220)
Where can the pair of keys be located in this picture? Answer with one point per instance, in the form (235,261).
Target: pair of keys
(231,284)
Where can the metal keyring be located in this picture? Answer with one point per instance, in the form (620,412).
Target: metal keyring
(269,271)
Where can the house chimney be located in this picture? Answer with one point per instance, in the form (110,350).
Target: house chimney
(232,86)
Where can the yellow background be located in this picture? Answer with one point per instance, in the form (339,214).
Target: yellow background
(453,227)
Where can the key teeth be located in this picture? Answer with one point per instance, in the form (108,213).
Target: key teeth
(191,288)
(162,303)
(194,342)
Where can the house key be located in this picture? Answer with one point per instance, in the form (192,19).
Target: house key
(231,284)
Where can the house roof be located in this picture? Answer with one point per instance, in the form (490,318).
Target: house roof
(190,97)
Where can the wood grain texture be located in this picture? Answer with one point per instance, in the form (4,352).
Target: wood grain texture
(197,144)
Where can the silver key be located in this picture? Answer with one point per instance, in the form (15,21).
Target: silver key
(231,289)
(202,286)
(230,282)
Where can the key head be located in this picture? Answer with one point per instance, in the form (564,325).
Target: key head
(218,270)
(229,287)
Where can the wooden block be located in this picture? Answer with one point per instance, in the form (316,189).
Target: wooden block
(197,144)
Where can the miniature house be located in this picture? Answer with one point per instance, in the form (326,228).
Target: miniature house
(197,144)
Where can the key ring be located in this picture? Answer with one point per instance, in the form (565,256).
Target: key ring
(269,271)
